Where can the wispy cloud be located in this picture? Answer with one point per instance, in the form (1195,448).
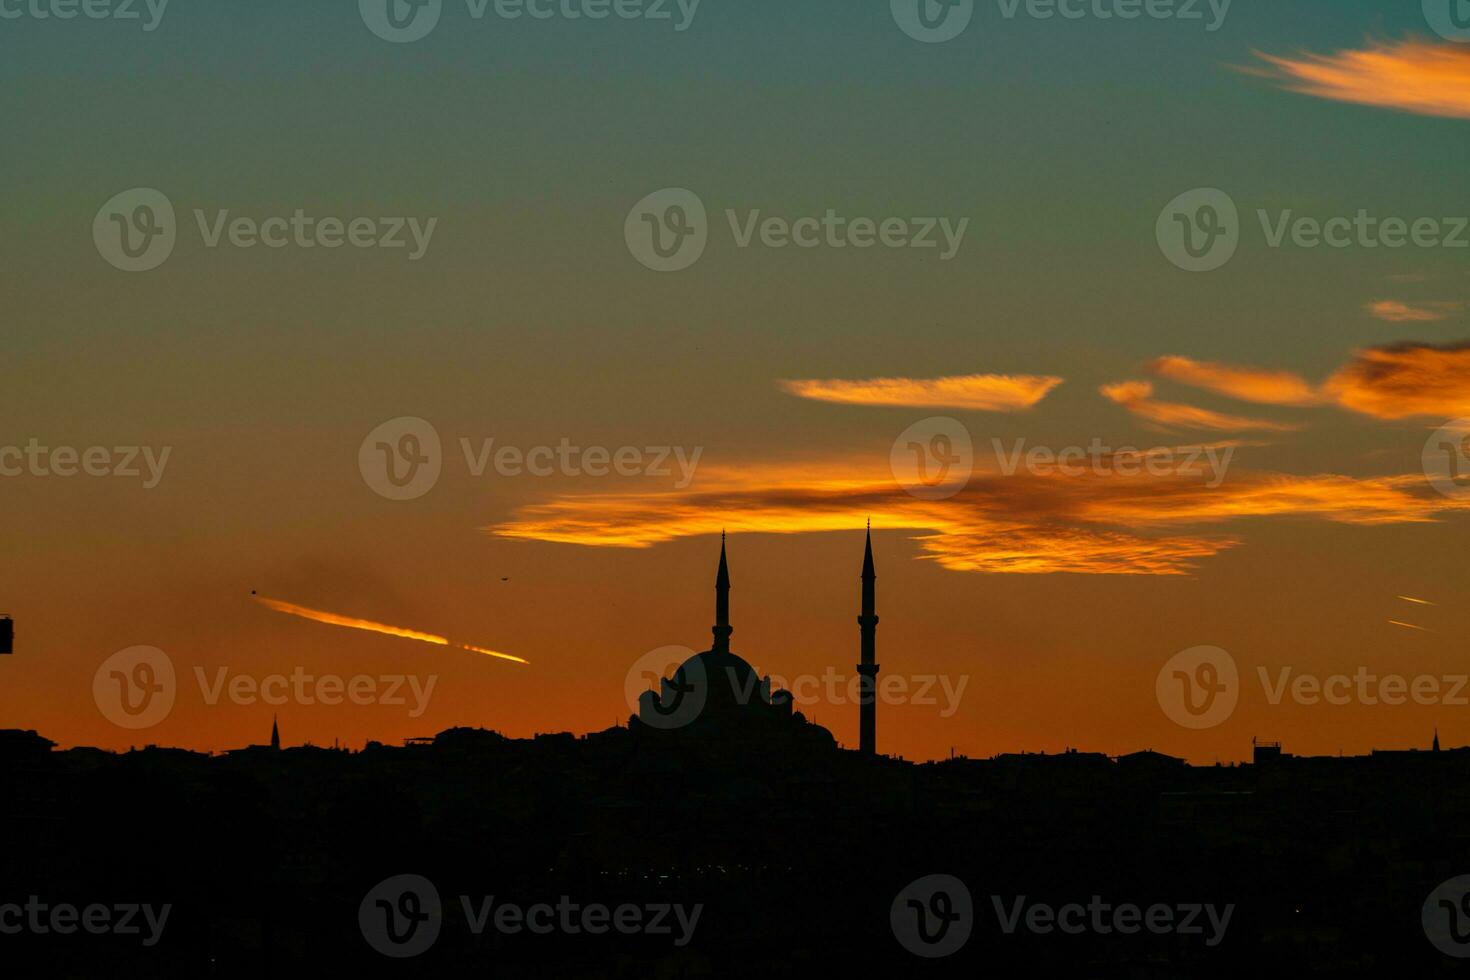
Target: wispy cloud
(1395,311)
(1248,384)
(1025,522)
(1410,76)
(1137,397)
(1405,380)
(984,392)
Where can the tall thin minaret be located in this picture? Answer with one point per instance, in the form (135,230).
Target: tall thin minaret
(275,734)
(868,669)
(722,629)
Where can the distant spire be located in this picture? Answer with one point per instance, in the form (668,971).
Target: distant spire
(275,734)
(1436,740)
(722,629)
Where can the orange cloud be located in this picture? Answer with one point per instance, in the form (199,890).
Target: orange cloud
(1411,76)
(1406,380)
(983,392)
(1245,383)
(1031,521)
(1340,499)
(1396,312)
(1137,397)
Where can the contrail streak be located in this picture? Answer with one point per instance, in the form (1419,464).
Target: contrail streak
(1410,626)
(352,622)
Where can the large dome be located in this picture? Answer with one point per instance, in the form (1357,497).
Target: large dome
(723,677)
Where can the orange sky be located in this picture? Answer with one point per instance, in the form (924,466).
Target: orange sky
(1268,433)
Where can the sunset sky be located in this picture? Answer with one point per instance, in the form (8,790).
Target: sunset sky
(792,372)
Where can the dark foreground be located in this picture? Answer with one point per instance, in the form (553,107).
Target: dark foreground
(637,854)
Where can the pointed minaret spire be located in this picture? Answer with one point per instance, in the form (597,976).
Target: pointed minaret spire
(1436,740)
(868,668)
(275,734)
(869,576)
(722,629)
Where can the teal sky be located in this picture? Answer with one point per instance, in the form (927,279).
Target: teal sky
(528,320)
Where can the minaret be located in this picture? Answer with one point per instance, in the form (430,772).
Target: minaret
(868,669)
(1436,741)
(722,629)
(275,734)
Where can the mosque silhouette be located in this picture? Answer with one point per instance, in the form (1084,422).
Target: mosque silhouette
(718,694)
